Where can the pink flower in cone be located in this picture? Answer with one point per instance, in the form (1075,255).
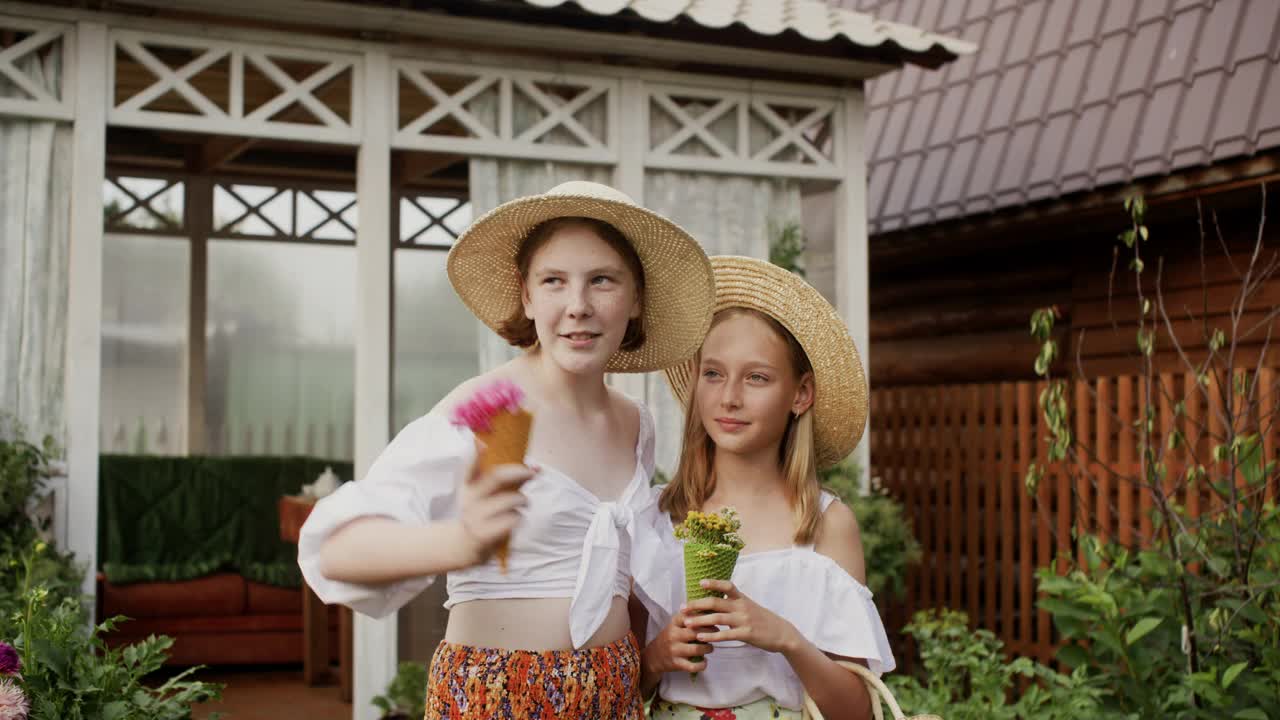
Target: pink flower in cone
(476,413)
(13,704)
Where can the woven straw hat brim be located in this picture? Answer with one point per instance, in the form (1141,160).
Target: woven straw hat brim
(679,289)
(840,387)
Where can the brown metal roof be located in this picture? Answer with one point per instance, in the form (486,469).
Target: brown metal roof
(1063,96)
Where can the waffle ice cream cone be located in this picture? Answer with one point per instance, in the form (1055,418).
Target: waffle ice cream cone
(700,564)
(505,443)
(703,561)
(501,427)
(711,548)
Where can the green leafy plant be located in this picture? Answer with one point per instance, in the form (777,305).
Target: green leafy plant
(1120,615)
(888,543)
(965,676)
(406,696)
(68,672)
(1186,622)
(24,468)
(786,250)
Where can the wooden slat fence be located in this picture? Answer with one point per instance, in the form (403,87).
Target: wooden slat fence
(957,456)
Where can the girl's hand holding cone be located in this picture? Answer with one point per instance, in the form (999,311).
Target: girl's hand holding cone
(490,503)
(675,649)
(741,617)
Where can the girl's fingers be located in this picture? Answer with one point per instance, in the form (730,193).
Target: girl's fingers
(688,650)
(721,586)
(712,619)
(730,634)
(499,507)
(683,634)
(703,605)
(504,478)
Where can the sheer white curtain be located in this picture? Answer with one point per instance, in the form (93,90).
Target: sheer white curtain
(729,215)
(35,178)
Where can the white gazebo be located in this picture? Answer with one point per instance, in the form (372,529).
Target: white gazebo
(730,116)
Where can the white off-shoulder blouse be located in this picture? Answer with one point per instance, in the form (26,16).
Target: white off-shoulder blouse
(827,605)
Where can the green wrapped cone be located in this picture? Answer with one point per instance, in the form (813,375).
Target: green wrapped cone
(697,567)
(704,561)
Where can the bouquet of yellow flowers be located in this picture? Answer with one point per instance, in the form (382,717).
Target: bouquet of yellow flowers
(711,547)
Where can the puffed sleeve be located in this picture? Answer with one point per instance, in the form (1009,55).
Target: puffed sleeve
(835,611)
(413,481)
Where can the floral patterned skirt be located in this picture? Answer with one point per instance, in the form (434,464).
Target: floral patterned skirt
(469,683)
(764,709)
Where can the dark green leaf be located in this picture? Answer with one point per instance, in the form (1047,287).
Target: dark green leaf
(1231,673)
(1141,629)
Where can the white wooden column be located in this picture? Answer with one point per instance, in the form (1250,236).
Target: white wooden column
(88,88)
(851,272)
(628,176)
(376,644)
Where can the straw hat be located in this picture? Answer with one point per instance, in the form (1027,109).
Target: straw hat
(840,388)
(678,292)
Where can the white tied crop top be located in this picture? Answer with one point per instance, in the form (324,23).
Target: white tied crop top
(570,543)
(826,604)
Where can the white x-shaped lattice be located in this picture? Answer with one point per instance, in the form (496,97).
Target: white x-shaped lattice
(168,79)
(294,91)
(332,214)
(449,105)
(10,56)
(433,220)
(791,134)
(691,127)
(252,210)
(141,201)
(559,113)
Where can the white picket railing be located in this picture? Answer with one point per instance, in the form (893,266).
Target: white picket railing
(161,436)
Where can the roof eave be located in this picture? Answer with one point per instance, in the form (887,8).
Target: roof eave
(498,35)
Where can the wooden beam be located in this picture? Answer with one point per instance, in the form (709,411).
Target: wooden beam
(997,311)
(1065,217)
(408,168)
(217,151)
(198,208)
(971,357)
(913,289)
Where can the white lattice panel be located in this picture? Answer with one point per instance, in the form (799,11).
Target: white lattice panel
(479,110)
(432,221)
(148,204)
(717,130)
(218,86)
(278,212)
(32,55)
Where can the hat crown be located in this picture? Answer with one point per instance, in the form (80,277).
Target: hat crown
(586,188)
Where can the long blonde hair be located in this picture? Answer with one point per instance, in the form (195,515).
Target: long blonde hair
(694,480)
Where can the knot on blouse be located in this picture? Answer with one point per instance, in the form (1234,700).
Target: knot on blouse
(593,591)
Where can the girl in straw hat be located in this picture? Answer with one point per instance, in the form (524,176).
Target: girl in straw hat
(776,393)
(589,283)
